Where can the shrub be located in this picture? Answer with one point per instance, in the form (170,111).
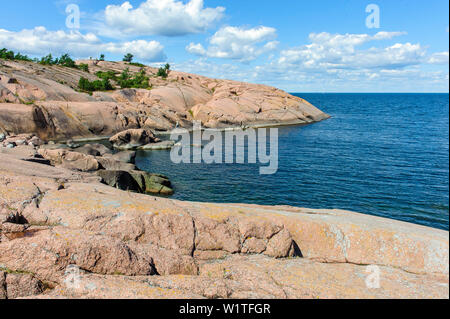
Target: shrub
(97,85)
(22,57)
(102,57)
(128,57)
(138,64)
(84,67)
(7,55)
(110,75)
(139,81)
(164,72)
(64,60)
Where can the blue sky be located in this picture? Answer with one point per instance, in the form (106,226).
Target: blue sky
(296,45)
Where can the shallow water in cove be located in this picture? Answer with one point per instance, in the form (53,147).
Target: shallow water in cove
(379,154)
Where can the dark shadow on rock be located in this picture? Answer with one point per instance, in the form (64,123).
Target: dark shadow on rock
(297,251)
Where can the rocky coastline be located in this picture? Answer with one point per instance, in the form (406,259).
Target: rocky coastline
(86,213)
(56,214)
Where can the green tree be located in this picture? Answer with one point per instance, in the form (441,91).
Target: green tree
(47,60)
(128,57)
(5,54)
(102,57)
(22,57)
(66,60)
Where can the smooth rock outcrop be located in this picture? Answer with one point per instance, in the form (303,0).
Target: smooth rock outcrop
(130,245)
(71,160)
(44,99)
(133,138)
(93,149)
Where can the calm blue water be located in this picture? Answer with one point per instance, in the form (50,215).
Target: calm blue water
(380,154)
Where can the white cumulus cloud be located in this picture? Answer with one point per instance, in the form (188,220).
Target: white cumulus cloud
(439,58)
(159,17)
(40,41)
(243,44)
(328,51)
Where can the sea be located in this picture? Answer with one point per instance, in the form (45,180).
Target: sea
(379,154)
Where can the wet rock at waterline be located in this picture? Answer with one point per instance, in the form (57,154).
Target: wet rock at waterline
(133,138)
(93,149)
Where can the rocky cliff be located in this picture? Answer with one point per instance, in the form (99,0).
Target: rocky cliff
(45,99)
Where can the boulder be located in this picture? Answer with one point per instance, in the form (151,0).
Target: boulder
(164,145)
(71,160)
(109,163)
(53,146)
(133,138)
(124,156)
(120,179)
(93,149)
(35,141)
(153,183)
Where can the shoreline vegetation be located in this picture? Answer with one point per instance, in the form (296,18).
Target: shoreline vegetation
(90,209)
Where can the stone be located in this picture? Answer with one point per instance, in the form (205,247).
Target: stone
(124,156)
(71,160)
(109,163)
(22,285)
(214,235)
(20,142)
(164,145)
(254,246)
(2,137)
(119,179)
(280,245)
(153,183)
(53,146)
(133,138)
(35,141)
(93,149)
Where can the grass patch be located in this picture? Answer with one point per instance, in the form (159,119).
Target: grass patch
(138,64)
(16,272)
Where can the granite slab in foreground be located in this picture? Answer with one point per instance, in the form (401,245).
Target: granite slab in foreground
(130,245)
